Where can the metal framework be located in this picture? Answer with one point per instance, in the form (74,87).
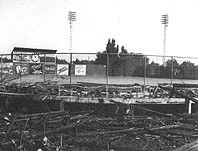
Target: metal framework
(165,23)
(71,18)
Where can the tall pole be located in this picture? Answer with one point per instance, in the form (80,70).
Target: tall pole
(165,23)
(20,67)
(44,68)
(144,75)
(71,18)
(1,68)
(172,70)
(107,76)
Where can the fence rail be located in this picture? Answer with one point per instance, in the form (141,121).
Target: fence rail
(98,68)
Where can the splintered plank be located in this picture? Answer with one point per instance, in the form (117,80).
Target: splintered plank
(193,146)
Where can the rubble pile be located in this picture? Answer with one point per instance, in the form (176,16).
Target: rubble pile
(84,131)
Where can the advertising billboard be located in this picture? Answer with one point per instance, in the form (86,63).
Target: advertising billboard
(36,68)
(6,71)
(21,68)
(48,58)
(80,69)
(7,65)
(50,69)
(62,69)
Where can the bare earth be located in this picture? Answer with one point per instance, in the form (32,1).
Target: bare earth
(101,80)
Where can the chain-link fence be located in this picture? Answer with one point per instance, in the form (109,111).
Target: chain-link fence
(99,69)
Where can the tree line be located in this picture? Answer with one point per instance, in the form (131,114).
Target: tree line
(120,62)
(123,63)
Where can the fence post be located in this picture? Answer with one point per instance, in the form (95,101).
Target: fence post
(20,67)
(70,76)
(144,76)
(107,76)
(172,70)
(44,68)
(1,68)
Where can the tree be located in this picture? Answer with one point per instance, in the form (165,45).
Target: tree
(77,61)
(188,70)
(111,47)
(153,70)
(140,63)
(121,63)
(61,61)
(112,52)
(123,50)
(169,67)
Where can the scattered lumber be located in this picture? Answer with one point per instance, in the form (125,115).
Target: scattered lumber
(193,146)
(85,131)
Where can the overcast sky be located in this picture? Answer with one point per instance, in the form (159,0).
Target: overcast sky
(134,24)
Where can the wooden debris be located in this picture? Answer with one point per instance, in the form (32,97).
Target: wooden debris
(193,146)
(86,131)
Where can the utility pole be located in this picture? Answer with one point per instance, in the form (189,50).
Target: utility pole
(71,18)
(165,23)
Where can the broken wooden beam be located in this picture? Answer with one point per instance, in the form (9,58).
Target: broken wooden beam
(193,146)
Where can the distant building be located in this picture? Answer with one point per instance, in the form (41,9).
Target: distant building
(33,61)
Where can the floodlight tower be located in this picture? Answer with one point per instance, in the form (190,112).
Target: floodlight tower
(71,18)
(165,23)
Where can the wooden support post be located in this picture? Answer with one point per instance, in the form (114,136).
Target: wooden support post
(190,106)
(61,141)
(62,105)
(132,110)
(108,145)
(117,109)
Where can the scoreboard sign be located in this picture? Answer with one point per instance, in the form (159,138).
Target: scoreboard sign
(26,57)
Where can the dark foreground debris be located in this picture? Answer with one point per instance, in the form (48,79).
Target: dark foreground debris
(84,131)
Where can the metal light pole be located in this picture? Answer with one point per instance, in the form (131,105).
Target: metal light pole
(165,23)
(71,18)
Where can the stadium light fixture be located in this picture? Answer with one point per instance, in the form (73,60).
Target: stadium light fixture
(165,23)
(71,18)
